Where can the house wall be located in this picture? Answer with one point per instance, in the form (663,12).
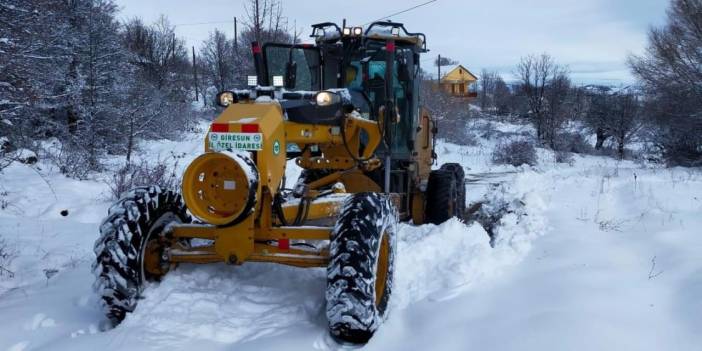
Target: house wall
(459,74)
(459,88)
(459,82)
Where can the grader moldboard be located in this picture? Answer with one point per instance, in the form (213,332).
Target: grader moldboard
(347,110)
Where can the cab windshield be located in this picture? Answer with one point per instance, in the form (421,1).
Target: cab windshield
(363,73)
(298,66)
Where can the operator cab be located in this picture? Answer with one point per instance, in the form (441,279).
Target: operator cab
(352,64)
(371,74)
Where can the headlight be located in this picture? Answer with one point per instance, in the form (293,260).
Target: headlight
(326,98)
(357,31)
(226,98)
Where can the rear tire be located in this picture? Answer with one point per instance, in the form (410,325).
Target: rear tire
(361,265)
(445,195)
(135,223)
(460,176)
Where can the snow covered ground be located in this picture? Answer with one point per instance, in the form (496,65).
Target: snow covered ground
(600,255)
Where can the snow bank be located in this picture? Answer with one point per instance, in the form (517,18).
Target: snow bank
(440,262)
(589,284)
(37,193)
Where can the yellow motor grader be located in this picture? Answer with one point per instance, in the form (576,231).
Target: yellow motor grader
(347,111)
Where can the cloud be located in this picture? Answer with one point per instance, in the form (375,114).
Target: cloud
(596,35)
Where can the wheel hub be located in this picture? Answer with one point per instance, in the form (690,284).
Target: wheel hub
(154,264)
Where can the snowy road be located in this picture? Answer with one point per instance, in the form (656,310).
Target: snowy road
(588,283)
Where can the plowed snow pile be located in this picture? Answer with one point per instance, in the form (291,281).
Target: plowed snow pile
(584,285)
(439,262)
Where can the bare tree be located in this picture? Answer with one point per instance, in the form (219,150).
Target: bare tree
(557,106)
(671,74)
(160,56)
(92,82)
(486,94)
(451,113)
(625,120)
(536,73)
(266,22)
(504,98)
(613,114)
(217,56)
(598,111)
(156,103)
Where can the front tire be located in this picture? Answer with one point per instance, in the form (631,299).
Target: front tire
(131,243)
(361,266)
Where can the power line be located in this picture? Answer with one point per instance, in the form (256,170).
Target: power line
(381,18)
(201,23)
(403,11)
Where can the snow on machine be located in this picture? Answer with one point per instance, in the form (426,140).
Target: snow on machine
(347,110)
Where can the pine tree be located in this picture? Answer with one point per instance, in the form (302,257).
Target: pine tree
(94,88)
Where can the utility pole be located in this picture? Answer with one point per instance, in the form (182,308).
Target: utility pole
(438,66)
(236,38)
(197,90)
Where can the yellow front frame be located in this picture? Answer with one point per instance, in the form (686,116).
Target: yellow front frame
(249,241)
(252,239)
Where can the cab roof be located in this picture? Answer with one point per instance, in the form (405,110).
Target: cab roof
(328,32)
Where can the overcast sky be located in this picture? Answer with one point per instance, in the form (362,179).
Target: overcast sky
(592,37)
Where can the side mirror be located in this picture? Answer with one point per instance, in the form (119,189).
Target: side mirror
(290,75)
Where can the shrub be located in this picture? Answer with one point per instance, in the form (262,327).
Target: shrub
(486,130)
(73,161)
(456,131)
(5,145)
(75,165)
(564,157)
(6,257)
(4,203)
(573,142)
(682,153)
(5,161)
(163,173)
(515,153)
